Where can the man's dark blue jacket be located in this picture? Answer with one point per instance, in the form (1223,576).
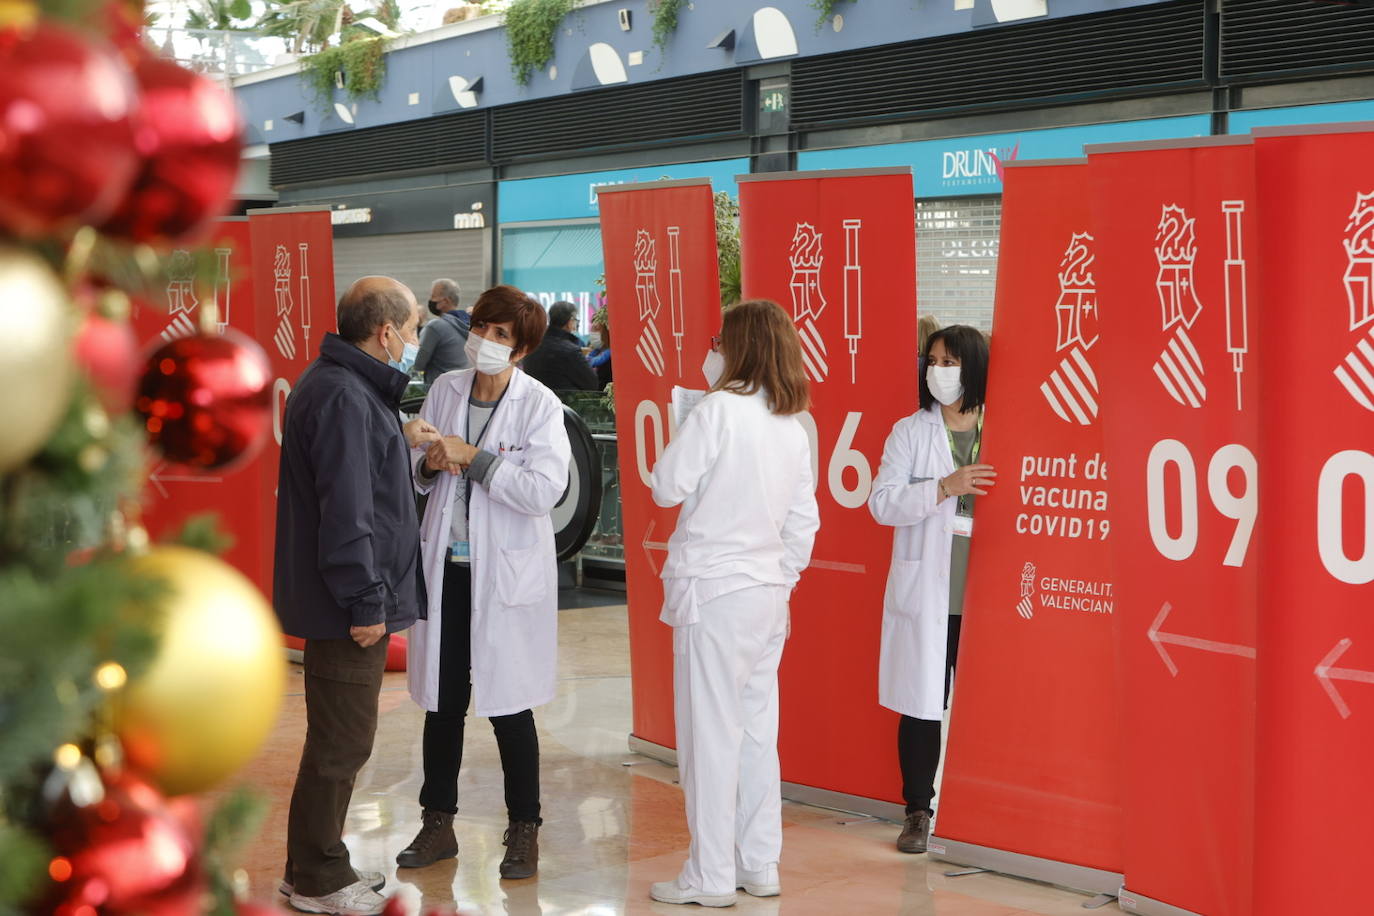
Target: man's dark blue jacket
(348,542)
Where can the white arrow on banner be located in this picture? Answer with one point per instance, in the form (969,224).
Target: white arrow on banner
(1326,674)
(650,546)
(1189,642)
(157,479)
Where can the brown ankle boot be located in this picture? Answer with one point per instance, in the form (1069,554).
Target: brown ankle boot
(436,840)
(915,833)
(522,850)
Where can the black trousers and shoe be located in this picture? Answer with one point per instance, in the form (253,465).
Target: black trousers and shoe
(516,739)
(918,751)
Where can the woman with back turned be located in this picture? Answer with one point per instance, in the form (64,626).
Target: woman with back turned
(740,466)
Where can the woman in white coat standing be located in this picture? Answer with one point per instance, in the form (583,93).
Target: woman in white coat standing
(926,487)
(740,466)
(487,545)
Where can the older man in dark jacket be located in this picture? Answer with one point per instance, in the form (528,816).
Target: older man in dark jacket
(347,571)
(558,361)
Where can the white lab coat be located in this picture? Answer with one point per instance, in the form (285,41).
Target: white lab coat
(911,667)
(743,477)
(514,571)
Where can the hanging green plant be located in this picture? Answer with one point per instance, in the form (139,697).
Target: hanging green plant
(530,29)
(665,20)
(728,248)
(362,63)
(826,8)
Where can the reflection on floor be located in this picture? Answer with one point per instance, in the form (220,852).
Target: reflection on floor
(613,821)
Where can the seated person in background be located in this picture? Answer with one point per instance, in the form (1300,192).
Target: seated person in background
(558,360)
(600,356)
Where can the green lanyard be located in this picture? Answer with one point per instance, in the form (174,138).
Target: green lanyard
(961,506)
(977,442)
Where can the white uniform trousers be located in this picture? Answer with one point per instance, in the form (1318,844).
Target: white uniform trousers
(725,704)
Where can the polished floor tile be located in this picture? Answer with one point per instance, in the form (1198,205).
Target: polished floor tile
(614,822)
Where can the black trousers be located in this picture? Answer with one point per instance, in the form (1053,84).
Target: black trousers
(918,740)
(516,738)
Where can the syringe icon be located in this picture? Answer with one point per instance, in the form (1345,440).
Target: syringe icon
(223,285)
(675,290)
(1237,319)
(853,295)
(304,281)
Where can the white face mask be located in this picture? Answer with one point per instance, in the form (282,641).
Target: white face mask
(944,383)
(712,367)
(490,357)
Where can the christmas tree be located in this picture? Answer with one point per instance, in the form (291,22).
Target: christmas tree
(112,647)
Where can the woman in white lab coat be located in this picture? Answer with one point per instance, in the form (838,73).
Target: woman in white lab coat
(926,487)
(487,546)
(740,466)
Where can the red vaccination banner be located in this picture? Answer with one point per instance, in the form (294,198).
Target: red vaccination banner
(663,295)
(174,492)
(838,251)
(1031,773)
(1316,632)
(1175,223)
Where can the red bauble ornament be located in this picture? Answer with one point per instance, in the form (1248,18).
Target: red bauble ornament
(132,852)
(187,130)
(66,141)
(206,399)
(108,352)
(248,908)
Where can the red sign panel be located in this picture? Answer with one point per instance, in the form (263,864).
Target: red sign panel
(838,251)
(175,493)
(1316,662)
(1175,227)
(1033,758)
(663,295)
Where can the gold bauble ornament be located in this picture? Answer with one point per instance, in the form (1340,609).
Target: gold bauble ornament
(211,696)
(36,369)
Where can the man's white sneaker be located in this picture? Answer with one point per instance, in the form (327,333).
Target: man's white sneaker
(355,900)
(673,892)
(761,883)
(373,879)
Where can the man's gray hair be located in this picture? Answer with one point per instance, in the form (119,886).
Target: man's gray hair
(560,313)
(449,290)
(370,303)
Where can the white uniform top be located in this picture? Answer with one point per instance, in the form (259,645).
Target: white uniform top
(749,517)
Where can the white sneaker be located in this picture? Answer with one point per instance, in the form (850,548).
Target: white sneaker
(373,879)
(673,892)
(761,883)
(355,900)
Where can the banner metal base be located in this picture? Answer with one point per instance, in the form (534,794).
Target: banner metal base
(1062,874)
(806,795)
(1131,902)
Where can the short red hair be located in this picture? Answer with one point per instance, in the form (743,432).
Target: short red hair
(505,303)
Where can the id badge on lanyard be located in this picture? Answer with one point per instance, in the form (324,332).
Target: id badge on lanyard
(963,517)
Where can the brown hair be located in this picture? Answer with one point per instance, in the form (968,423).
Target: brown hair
(528,319)
(762,351)
(925,326)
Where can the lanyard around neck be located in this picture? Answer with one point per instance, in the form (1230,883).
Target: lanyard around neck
(977,442)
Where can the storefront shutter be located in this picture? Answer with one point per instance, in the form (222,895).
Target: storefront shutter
(417,259)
